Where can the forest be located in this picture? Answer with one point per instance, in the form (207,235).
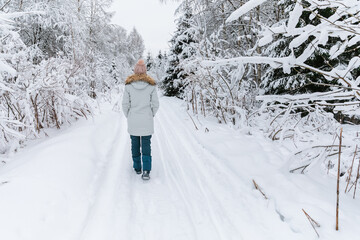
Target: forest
(287,68)
(57,58)
(290,69)
(257,98)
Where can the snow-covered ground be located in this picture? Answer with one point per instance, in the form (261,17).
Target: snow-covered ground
(79,184)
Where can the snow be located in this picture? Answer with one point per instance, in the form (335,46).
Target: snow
(268,38)
(6,68)
(294,17)
(79,184)
(244,9)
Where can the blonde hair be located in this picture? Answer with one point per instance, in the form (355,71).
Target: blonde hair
(140,67)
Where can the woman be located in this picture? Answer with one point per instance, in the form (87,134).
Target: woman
(140,104)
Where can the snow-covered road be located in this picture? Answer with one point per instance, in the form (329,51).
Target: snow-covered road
(79,185)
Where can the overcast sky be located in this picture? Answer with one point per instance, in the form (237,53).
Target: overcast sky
(153,20)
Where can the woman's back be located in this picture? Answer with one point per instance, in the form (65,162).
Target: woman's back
(140,104)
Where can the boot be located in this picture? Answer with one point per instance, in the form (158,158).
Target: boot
(146,175)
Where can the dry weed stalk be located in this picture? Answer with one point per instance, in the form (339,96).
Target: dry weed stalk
(302,167)
(350,170)
(258,188)
(329,163)
(357,178)
(312,222)
(192,121)
(338,183)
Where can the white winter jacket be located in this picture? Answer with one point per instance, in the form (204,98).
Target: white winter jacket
(140,104)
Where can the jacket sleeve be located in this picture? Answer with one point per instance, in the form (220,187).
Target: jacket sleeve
(126,102)
(154,101)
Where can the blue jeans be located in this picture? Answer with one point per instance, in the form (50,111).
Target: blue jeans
(145,144)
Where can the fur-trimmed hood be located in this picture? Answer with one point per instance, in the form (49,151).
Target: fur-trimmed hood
(140,77)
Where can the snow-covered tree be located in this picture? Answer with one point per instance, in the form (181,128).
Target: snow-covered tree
(136,47)
(305,52)
(10,42)
(161,62)
(301,80)
(150,62)
(320,41)
(55,60)
(330,36)
(227,92)
(180,50)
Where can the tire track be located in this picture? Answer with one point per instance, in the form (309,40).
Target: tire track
(169,174)
(99,223)
(192,146)
(186,154)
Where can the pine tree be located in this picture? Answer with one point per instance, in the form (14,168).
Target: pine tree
(173,83)
(159,59)
(300,80)
(150,63)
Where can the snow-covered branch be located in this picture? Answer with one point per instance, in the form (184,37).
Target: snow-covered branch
(244,9)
